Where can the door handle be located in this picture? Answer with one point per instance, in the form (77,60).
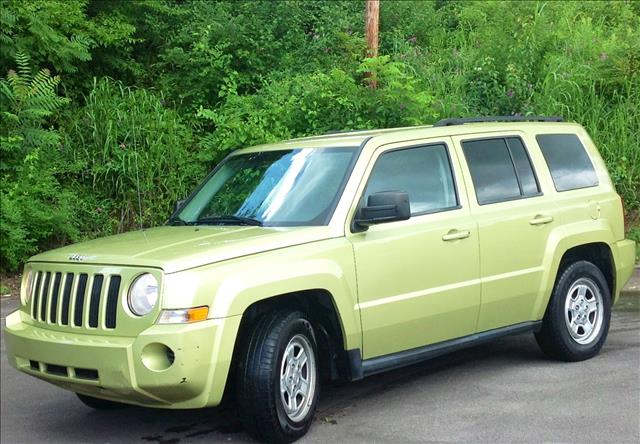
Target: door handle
(541,220)
(455,235)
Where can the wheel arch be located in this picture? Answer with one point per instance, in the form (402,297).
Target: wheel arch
(319,306)
(565,247)
(599,254)
(322,278)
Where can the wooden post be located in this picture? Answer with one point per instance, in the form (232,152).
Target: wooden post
(371,32)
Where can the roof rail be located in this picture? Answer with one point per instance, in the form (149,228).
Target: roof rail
(332,132)
(463,120)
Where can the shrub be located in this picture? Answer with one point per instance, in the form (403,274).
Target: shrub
(134,157)
(318,103)
(36,211)
(194,79)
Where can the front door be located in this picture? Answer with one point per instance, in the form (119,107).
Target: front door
(418,280)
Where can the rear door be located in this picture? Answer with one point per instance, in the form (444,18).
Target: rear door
(418,280)
(515,218)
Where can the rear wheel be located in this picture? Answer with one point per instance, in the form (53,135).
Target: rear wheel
(576,323)
(100,404)
(278,378)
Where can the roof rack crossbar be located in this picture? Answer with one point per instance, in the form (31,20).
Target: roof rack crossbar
(463,120)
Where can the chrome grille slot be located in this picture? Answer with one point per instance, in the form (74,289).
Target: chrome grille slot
(79,302)
(66,299)
(44,298)
(53,312)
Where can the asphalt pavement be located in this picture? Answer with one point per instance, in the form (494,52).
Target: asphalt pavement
(506,391)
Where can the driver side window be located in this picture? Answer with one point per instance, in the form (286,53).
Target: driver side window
(422,172)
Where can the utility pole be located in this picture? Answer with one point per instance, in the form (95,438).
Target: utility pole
(371,24)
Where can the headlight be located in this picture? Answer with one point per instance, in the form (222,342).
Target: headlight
(27,287)
(143,294)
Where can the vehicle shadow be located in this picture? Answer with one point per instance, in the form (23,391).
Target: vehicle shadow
(222,423)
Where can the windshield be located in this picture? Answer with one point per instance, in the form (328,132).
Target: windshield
(272,188)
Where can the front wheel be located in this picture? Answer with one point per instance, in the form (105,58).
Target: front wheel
(576,322)
(278,384)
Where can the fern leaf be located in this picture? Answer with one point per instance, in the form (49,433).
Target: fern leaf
(24,64)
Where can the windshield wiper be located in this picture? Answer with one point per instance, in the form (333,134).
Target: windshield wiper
(177,220)
(228,220)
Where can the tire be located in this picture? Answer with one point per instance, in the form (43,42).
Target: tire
(576,322)
(100,404)
(267,409)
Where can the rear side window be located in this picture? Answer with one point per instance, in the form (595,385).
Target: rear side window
(422,172)
(500,169)
(568,161)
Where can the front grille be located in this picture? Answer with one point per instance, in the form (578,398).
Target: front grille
(56,369)
(87,300)
(88,374)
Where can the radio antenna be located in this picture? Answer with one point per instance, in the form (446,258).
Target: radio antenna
(135,152)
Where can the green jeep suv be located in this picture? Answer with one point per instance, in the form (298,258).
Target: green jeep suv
(334,258)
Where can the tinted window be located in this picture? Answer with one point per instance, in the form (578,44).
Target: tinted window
(568,161)
(522,163)
(424,173)
(500,170)
(494,177)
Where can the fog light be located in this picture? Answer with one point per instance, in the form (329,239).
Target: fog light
(157,357)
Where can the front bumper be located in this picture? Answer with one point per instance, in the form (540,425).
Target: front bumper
(112,367)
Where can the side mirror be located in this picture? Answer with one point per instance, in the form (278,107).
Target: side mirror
(386,206)
(178,204)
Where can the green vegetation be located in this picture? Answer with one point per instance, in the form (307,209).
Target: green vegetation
(100,95)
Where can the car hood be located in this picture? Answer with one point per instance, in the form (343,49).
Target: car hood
(182,247)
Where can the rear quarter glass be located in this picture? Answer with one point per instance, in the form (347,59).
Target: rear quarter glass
(568,161)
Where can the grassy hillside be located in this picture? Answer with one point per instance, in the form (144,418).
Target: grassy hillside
(99,95)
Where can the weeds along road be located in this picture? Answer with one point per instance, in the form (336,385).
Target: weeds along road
(506,391)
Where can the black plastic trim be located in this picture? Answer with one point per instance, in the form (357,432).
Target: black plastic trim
(36,295)
(463,120)
(401,359)
(112,301)
(66,298)
(94,300)
(55,295)
(44,300)
(86,373)
(80,298)
(354,357)
(58,370)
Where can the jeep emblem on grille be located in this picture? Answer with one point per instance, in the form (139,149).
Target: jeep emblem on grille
(78,257)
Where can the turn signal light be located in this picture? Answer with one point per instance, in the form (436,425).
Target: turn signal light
(184,316)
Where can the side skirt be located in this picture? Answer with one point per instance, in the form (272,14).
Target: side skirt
(362,368)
